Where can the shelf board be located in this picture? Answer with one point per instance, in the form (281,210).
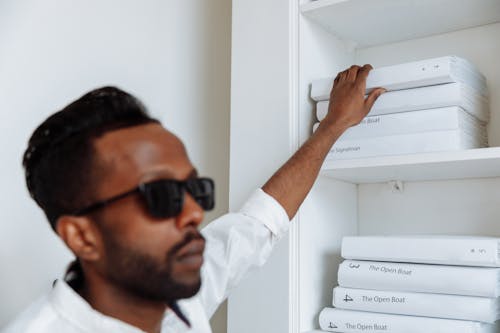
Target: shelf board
(474,163)
(375,22)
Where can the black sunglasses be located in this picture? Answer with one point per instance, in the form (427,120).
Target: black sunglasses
(164,198)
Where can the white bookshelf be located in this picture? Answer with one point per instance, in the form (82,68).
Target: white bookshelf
(389,21)
(475,163)
(278,48)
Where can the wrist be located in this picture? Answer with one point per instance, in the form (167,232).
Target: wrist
(335,127)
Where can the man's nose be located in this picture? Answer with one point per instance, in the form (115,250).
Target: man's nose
(191,213)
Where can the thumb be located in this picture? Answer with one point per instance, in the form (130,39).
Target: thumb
(372,97)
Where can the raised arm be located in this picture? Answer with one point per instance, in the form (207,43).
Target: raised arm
(348,106)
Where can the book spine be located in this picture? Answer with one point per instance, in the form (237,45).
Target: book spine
(403,76)
(402,144)
(399,125)
(478,133)
(412,75)
(320,89)
(440,250)
(442,119)
(337,320)
(322,109)
(457,280)
(444,95)
(417,304)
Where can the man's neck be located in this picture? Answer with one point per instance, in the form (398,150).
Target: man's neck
(114,302)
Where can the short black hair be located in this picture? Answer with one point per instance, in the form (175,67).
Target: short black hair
(60,163)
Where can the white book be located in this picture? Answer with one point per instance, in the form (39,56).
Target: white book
(441,119)
(456,280)
(413,143)
(479,133)
(443,95)
(337,320)
(473,308)
(412,75)
(425,249)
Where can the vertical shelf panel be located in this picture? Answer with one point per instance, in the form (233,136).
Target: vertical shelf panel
(261,140)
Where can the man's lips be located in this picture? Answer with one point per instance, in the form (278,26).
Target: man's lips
(192,253)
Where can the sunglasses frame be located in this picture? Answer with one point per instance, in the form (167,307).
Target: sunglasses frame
(202,189)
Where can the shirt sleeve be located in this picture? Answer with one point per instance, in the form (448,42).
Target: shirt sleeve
(238,242)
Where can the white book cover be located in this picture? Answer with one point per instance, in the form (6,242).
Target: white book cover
(444,279)
(337,320)
(441,119)
(451,140)
(473,308)
(415,74)
(425,249)
(443,95)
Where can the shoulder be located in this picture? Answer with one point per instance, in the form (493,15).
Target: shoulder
(39,317)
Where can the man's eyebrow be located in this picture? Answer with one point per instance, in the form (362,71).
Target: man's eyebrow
(166,174)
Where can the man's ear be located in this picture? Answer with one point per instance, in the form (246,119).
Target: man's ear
(81,235)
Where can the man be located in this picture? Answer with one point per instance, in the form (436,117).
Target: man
(120,191)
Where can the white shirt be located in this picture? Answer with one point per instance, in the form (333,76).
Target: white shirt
(235,243)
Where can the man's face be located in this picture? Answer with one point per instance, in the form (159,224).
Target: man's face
(158,259)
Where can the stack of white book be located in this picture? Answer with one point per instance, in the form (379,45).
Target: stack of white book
(417,284)
(432,105)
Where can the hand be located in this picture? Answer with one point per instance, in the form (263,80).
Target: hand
(348,105)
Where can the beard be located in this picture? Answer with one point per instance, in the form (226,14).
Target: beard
(144,276)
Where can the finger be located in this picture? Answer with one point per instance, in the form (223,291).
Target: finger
(363,72)
(343,75)
(372,97)
(352,73)
(335,83)
(336,79)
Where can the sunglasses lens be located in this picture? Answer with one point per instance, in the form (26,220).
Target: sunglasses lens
(164,198)
(203,191)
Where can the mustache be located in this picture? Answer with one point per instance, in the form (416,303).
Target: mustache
(190,236)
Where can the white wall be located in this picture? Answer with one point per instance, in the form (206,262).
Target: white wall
(174,55)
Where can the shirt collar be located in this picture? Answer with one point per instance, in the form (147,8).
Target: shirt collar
(73,308)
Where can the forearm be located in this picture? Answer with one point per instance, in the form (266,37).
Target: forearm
(293,181)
